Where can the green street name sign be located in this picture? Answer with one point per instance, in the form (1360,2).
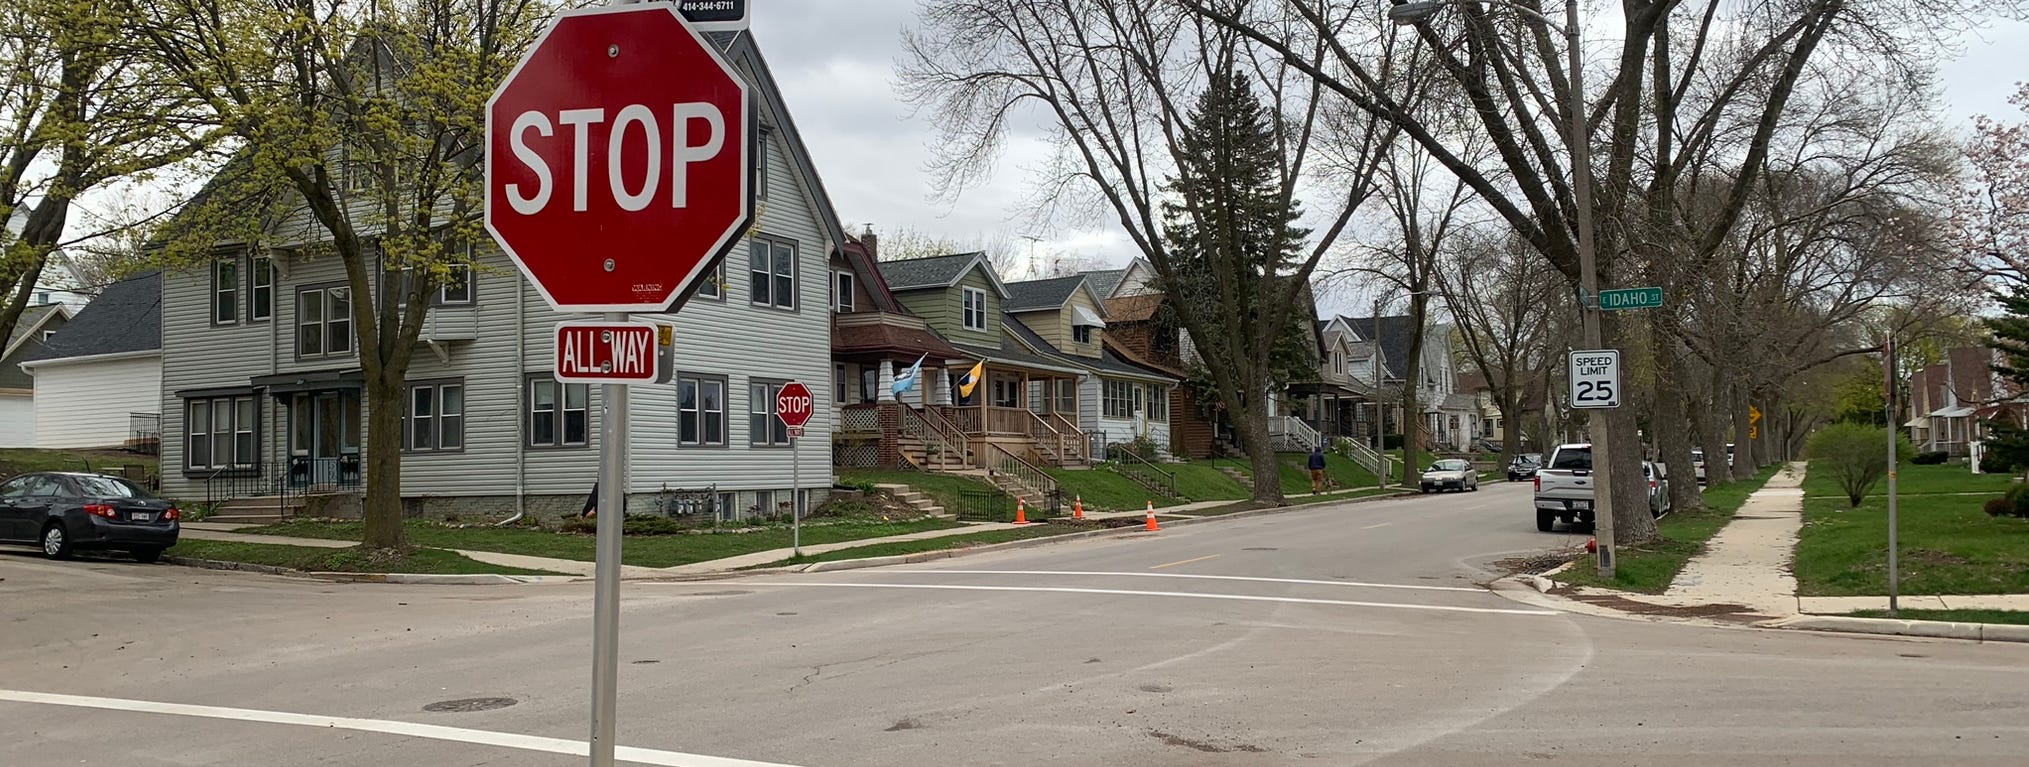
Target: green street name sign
(1630,298)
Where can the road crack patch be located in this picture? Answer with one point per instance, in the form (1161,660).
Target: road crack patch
(1203,745)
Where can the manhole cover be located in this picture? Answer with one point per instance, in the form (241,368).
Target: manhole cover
(1260,548)
(463,705)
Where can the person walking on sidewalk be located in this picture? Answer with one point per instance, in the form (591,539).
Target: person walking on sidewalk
(1316,468)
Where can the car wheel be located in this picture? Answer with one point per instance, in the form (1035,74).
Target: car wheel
(1546,520)
(146,556)
(55,542)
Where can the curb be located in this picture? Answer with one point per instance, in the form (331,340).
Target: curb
(1977,632)
(926,556)
(473,579)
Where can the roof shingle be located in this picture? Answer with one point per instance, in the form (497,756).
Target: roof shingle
(1042,294)
(126,317)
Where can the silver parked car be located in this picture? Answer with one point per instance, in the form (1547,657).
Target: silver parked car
(1450,474)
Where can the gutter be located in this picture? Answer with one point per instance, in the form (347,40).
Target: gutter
(108,357)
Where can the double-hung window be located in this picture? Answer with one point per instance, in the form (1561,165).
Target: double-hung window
(557,413)
(1158,403)
(261,289)
(435,417)
(225,291)
(771,267)
(700,411)
(841,292)
(974,310)
(763,428)
(324,321)
(221,433)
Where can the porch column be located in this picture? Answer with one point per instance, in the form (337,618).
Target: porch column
(889,454)
(937,386)
(884,378)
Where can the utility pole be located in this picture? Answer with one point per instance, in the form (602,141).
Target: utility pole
(1588,280)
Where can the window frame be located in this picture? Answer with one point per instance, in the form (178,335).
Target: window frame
(724,434)
(1108,400)
(324,322)
(774,246)
(761,143)
(560,412)
(1158,414)
(225,291)
(765,401)
(966,308)
(461,274)
(1081,334)
(843,282)
(215,433)
(260,267)
(438,416)
(716,281)
(838,383)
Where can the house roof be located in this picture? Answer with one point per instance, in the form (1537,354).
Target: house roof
(1043,294)
(31,320)
(937,272)
(862,261)
(126,317)
(877,338)
(1396,334)
(1105,280)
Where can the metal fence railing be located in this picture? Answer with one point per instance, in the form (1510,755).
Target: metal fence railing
(144,433)
(984,506)
(1148,475)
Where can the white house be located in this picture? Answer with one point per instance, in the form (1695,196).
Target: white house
(262,388)
(37,324)
(98,380)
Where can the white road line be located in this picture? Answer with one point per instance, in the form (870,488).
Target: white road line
(1360,584)
(1125,592)
(407,729)
(1383,524)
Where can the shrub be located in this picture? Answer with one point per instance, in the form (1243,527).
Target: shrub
(1996,462)
(2017,499)
(635,525)
(1391,442)
(2000,507)
(1851,453)
(1931,458)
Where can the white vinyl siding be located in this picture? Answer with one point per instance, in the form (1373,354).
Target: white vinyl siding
(88,403)
(17,420)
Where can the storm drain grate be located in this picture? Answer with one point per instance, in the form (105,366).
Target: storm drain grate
(465,705)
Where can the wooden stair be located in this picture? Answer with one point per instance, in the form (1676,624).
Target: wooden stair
(918,453)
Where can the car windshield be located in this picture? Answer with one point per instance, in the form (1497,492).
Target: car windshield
(1572,458)
(1448,465)
(1528,458)
(109,487)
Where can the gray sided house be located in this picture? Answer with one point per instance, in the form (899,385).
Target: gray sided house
(98,381)
(261,391)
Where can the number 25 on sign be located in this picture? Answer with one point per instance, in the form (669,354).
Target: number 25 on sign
(1595,378)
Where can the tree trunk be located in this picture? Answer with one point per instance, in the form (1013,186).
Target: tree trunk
(1511,438)
(1743,462)
(1412,410)
(1712,431)
(39,234)
(1253,428)
(1672,427)
(382,507)
(1632,522)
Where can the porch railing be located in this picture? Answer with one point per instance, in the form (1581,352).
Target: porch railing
(1075,438)
(1380,464)
(144,433)
(225,484)
(1009,420)
(1289,433)
(1144,473)
(927,425)
(967,419)
(1028,479)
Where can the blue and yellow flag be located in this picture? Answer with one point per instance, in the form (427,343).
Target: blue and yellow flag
(971,379)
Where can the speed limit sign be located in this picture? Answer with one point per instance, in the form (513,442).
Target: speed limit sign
(1595,378)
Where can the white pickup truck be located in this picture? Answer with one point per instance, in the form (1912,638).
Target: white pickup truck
(1564,487)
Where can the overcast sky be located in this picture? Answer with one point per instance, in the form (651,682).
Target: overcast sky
(835,62)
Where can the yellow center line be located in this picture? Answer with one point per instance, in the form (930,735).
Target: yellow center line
(1186,562)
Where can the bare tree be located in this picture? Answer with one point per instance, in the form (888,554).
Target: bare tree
(1499,296)
(1115,84)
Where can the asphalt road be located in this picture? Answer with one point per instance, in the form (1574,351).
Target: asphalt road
(1344,635)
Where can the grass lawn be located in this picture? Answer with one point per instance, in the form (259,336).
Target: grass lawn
(1198,481)
(640,550)
(1649,569)
(1949,546)
(23,460)
(434,561)
(2016,617)
(934,544)
(1916,480)
(945,489)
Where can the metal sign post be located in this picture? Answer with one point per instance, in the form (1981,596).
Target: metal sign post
(1893,460)
(606,573)
(793,405)
(1595,384)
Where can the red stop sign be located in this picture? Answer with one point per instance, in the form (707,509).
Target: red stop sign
(617,167)
(792,405)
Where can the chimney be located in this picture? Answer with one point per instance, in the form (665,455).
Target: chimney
(871,242)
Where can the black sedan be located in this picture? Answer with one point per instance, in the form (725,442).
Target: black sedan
(62,512)
(1524,466)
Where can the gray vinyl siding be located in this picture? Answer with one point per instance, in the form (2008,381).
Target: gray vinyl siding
(943,309)
(1090,390)
(727,338)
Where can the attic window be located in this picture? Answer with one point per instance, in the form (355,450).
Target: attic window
(1081,334)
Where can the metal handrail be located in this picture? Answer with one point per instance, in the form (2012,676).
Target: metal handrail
(1139,469)
(1033,479)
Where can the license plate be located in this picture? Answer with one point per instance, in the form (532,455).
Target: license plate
(1581,504)
(141,516)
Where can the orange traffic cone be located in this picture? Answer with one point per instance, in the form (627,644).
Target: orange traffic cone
(1021,511)
(1078,507)
(1151,517)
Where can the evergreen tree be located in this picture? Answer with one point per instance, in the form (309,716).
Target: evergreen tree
(2007,444)
(1230,226)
